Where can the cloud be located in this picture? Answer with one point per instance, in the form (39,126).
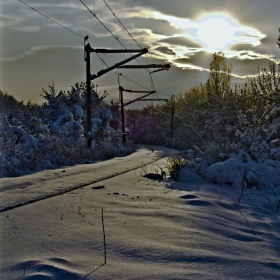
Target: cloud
(170,30)
(165,50)
(157,26)
(26,28)
(214,30)
(180,41)
(7,21)
(37,49)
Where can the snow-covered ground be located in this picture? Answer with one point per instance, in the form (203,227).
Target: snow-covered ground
(154,230)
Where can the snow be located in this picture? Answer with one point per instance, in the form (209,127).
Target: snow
(187,176)
(230,172)
(188,229)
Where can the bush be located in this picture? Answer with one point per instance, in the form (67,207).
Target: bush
(36,137)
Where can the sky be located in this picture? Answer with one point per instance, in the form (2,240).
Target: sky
(36,52)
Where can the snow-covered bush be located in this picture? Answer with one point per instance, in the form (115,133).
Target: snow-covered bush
(235,134)
(51,135)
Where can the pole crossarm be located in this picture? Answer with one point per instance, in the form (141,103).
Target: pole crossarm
(159,70)
(137,99)
(90,49)
(136,91)
(102,72)
(161,66)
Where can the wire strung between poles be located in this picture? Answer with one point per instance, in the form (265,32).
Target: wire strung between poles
(150,76)
(108,30)
(51,19)
(83,38)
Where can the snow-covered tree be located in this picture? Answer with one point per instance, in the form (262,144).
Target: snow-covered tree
(36,137)
(220,75)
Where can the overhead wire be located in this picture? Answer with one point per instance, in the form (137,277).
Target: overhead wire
(128,78)
(51,19)
(122,74)
(150,75)
(83,38)
(79,36)
(152,84)
(122,24)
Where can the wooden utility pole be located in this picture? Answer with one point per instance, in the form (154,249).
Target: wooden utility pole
(121,89)
(122,113)
(278,42)
(89,77)
(172,120)
(160,67)
(88,97)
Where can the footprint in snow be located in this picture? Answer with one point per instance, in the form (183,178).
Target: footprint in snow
(189,196)
(98,188)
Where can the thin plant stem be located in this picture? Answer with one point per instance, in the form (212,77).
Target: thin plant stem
(104,238)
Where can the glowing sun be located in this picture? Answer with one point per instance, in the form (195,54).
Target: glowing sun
(216,32)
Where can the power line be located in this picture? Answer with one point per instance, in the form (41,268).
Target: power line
(150,75)
(103,24)
(108,30)
(127,77)
(122,24)
(122,75)
(75,34)
(51,19)
(83,38)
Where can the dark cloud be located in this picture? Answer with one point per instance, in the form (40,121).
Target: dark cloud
(247,66)
(201,59)
(165,50)
(241,47)
(161,27)
(180,41)
(183,60)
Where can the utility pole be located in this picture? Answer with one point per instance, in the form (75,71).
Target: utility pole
(89,77)
(121,89)
(88,97)
(172,118)
(122,113)
(278,42)
(160,67)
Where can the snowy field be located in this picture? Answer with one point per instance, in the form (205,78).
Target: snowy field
(154,230)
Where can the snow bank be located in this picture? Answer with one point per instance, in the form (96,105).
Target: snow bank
(229,172)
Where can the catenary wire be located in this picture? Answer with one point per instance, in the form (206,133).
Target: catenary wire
(51,19)
(122,24)
(127,77)
(79,36)
(122,74)
(109,30)
(150,75)
(83,38)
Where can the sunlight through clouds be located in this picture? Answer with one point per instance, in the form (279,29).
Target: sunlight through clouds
(184,34)
(210,32)
(220,32)
(215,31)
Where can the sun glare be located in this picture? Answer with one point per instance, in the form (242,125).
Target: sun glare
(216,32)
(213,31)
